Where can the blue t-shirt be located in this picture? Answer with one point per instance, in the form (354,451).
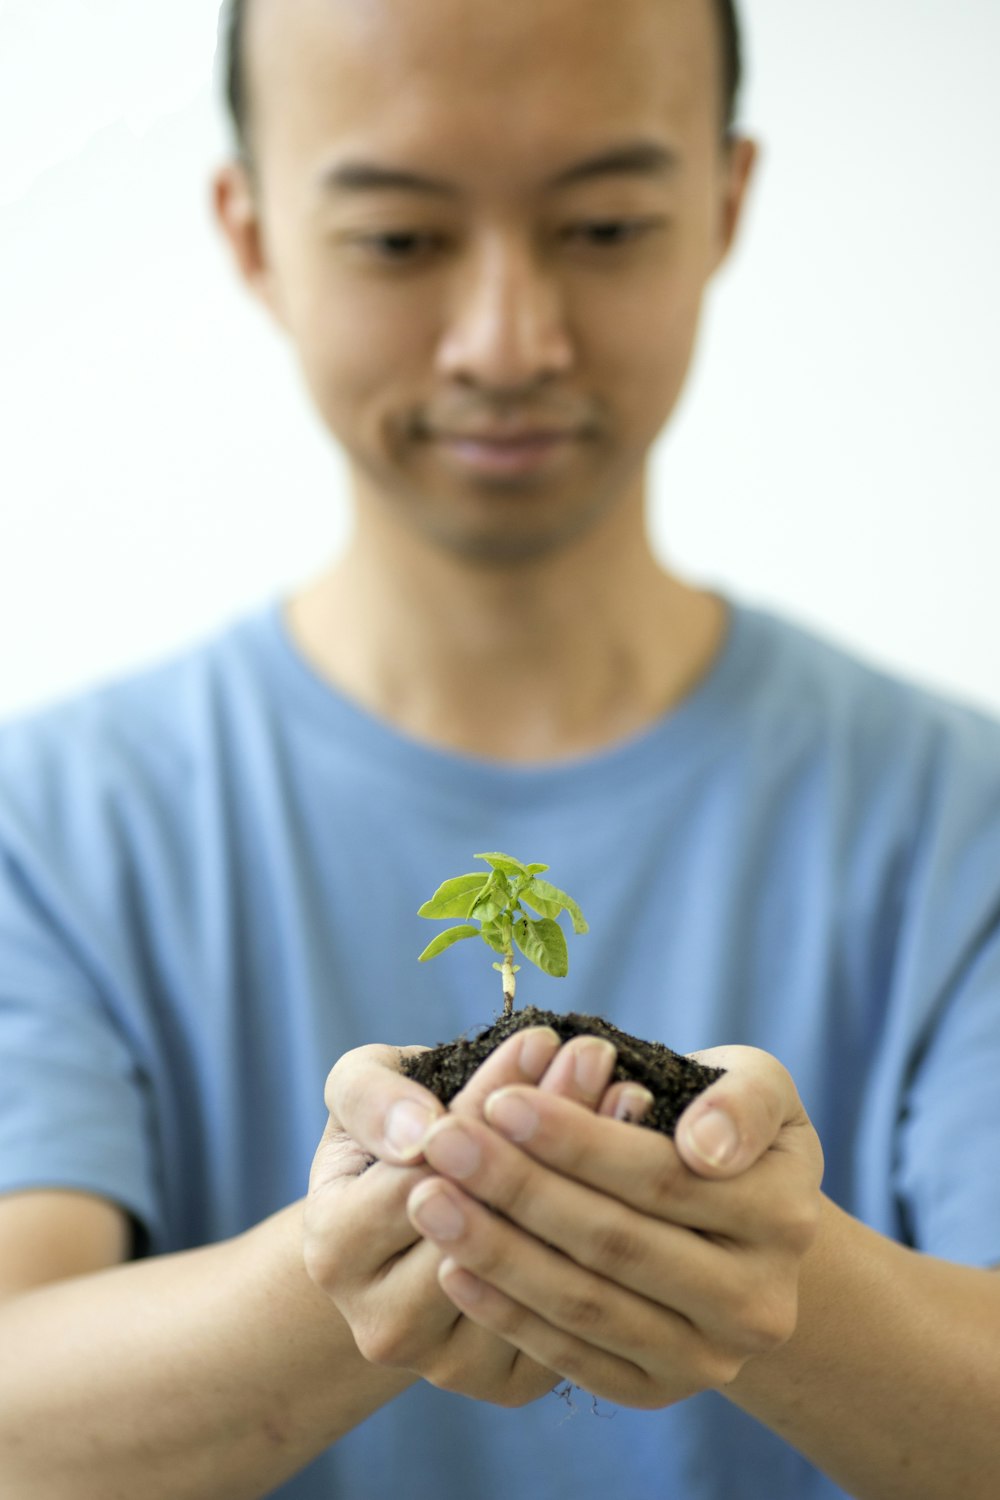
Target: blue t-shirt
(209,876)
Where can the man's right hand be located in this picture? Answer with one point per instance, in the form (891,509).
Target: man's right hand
(360,1246)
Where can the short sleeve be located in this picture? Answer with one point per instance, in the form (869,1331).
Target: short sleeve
(948,1181)
(73,1103)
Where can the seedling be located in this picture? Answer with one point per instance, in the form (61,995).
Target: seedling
(508,905)
(493,904)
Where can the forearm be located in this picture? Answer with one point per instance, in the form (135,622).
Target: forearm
(891,1383)
(221,1372)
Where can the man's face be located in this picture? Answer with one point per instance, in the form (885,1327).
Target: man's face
(524,287)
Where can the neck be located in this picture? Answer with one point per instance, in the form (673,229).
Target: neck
(540,660)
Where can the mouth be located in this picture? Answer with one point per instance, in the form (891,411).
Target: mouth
(511,453)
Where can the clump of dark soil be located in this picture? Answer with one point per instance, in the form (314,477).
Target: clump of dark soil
(672,1079)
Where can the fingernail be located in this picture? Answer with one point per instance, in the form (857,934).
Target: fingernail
(633,1103)
(451,1150)
(456,1280)
(438,1216)
(714,1138)
(406,1125)
(536,1051)
(594,1061)
(511,1115)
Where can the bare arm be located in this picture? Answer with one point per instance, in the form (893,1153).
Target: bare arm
(891,1382)
(220,1371)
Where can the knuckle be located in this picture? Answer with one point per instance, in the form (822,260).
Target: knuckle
(782,1314)
(766,1319)
(455,1375)
(713,1362)
(791,1214)
(485,1258)
(800,1222)
(569,1360)
(507,1319)
(646,1394)
(581,1311)
(488,1369)
(526,1382)
(320,1263)
(614,1250)
(666,1178)
(721,1368)
(386,1343)
(518,1193)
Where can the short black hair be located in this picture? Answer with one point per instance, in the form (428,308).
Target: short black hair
(232,35)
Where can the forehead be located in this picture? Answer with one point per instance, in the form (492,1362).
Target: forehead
(492,82)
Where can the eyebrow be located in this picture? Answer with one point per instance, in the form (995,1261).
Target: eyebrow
(637,159)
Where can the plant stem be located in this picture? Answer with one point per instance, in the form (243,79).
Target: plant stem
(509,981)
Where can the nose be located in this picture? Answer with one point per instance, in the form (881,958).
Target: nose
(505,322)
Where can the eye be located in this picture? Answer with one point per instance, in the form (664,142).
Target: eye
(398,245)
(611,233)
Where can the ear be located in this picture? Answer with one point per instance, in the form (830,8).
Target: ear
(236,208)
(740,158)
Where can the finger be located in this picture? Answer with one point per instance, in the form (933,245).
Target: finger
(410,1322)
(470,1359)
(629,1102)
(628,1248)
(740,1116)
(370,1100)
(741,1295)
(337,1157)
(381,1274)
(396,1311)
(581,1070)
(594,1327)
(358,1226)
(475,1362)
(637,1167)
(775,1198)
(535,1339)
(522,1058)
(610,1156)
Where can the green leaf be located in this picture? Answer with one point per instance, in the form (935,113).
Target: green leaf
(493,937)
(531,896)
(447,940)
(503,863)
(536,869)
(544,942)
(486,909)
(455,898)
(555,897)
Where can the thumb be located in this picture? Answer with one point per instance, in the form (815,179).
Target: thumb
(389,1115)
(740,1116)
(370,1101)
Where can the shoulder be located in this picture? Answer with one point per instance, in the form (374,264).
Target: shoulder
(140,738)
(903,776)
(826,694)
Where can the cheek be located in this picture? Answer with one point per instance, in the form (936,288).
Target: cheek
(641,357)
(363,353)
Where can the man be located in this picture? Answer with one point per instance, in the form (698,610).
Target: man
(488,231)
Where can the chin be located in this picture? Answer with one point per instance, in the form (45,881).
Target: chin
(518,543)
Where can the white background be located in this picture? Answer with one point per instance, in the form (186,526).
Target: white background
(835,456)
